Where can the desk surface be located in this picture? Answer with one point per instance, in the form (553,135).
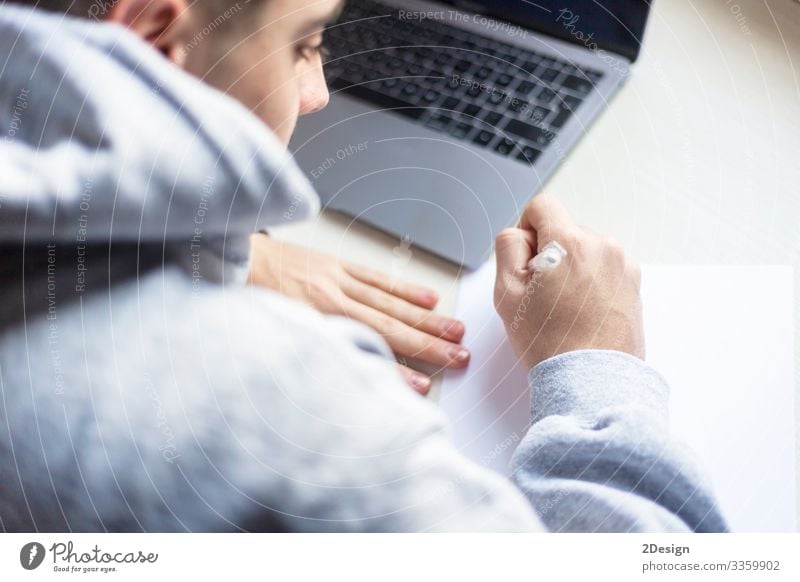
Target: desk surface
(704,165)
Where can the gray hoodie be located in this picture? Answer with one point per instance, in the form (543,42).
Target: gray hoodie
(146,388)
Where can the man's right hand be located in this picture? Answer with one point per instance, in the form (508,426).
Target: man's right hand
(590,301)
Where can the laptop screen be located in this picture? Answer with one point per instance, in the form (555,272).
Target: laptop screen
(612,25)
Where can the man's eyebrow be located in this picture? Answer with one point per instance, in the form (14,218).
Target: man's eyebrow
(321,23)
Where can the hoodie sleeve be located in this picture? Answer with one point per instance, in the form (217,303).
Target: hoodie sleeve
(358,451)
(598,456)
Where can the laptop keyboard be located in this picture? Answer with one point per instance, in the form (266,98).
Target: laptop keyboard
(496,95)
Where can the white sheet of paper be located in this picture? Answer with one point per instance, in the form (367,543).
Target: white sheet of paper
(723,338)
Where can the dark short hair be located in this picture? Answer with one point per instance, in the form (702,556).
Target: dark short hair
(99,9)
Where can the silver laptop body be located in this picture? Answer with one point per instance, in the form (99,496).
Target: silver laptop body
(436,188)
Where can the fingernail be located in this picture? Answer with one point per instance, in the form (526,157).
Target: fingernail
(459,354)
(454,327)
(421,382)
(430,296)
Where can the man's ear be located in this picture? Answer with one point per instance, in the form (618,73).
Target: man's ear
(159,22)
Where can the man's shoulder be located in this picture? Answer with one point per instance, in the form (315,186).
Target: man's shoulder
(253,315)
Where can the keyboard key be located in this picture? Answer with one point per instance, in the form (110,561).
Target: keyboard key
(424,36)
(529,155)
(496,97)
(576,84)
(410,89)
(529,132)
(570,102)
(519,106)
(353,74)
(561,118)
(505,147)
(449,40)
(437,77)
(504,80)
(548,75)
(493,118)
(444,59)
(483,138)
(526,87)
(451,103)
(430,96)
(423,54)
(460,130)
(472,110)
(439,122)
(514,52)
(531,66)
(546,96)
(539,114)
(502,66)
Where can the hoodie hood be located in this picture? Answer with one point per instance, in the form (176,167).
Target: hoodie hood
(103,140)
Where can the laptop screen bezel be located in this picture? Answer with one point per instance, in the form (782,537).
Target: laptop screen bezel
(628,50)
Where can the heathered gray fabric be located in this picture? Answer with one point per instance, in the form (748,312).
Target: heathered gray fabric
(600,439)
(102,137)
(144,388)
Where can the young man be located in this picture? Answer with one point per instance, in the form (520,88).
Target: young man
(145,387)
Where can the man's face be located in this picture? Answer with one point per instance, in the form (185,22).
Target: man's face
(271,63)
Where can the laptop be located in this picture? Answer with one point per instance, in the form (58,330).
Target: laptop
(447,117)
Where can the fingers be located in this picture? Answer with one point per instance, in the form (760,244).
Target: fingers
(407,341)
(417,380)
(415,294)
(417,317)
(546,216)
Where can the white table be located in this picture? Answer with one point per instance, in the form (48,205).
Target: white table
(697,160)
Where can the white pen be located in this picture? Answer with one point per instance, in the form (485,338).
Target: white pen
(548,258)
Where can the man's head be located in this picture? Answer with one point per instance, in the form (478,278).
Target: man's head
(265,53)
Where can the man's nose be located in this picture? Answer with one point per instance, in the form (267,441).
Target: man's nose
(315,96)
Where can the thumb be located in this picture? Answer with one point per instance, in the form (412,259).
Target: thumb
(514,247)
(547,217)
